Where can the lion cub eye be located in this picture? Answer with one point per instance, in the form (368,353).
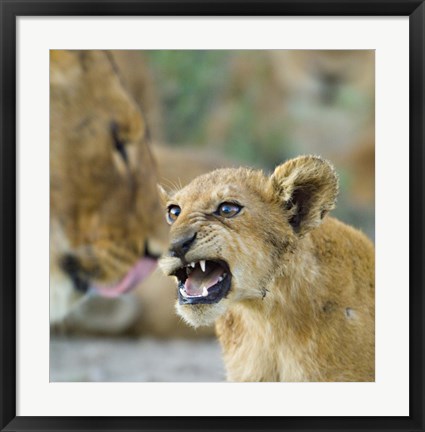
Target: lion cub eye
(173,213)
(228,210)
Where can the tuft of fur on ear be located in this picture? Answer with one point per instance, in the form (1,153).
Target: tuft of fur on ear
(163,195)
(307,187)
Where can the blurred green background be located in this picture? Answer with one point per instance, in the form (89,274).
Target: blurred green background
(260,108)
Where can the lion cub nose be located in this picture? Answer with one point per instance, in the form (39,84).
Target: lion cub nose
(180,246)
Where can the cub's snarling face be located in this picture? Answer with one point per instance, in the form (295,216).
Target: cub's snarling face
(104,205)
(232,229)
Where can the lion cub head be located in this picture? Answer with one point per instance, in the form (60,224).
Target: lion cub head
(233,230)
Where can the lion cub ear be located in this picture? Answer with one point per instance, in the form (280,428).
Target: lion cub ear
(307,187)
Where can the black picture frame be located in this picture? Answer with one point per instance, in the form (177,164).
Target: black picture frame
(10,10)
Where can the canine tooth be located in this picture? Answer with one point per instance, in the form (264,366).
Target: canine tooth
(220,278)
(192,265)
(204,292)
(183,293)
(202,264)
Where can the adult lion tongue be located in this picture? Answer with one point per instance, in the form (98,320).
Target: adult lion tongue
(198,280)
(141,270)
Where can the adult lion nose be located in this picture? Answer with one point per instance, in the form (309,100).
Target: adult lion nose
(181,245)
(72,266)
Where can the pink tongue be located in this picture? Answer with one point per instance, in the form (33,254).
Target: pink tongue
(142,269)
(197,280)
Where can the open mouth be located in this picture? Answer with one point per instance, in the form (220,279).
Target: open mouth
(203,282)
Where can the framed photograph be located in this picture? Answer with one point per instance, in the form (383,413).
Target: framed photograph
(114,114)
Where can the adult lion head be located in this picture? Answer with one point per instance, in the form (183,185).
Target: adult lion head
(105,229)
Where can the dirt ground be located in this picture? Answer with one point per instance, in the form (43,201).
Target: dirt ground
(132,360)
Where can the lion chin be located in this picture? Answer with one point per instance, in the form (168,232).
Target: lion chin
(201,315)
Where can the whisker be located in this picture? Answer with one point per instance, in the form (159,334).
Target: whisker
(172,184)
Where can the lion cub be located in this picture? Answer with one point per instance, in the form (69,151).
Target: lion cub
(291,289)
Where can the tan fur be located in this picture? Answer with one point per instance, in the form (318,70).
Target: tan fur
(301,303)
(102,210)
(360,164)
(138,79)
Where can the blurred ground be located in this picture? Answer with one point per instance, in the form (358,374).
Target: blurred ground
(131,360)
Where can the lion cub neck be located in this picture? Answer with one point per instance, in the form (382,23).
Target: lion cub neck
(315,323)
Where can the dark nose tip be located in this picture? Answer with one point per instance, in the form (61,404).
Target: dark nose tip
(180,246)
(71,265)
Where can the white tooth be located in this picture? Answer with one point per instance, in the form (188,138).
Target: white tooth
(183,293)
(204,292)
(192,264)
(202,264)
(220,278)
